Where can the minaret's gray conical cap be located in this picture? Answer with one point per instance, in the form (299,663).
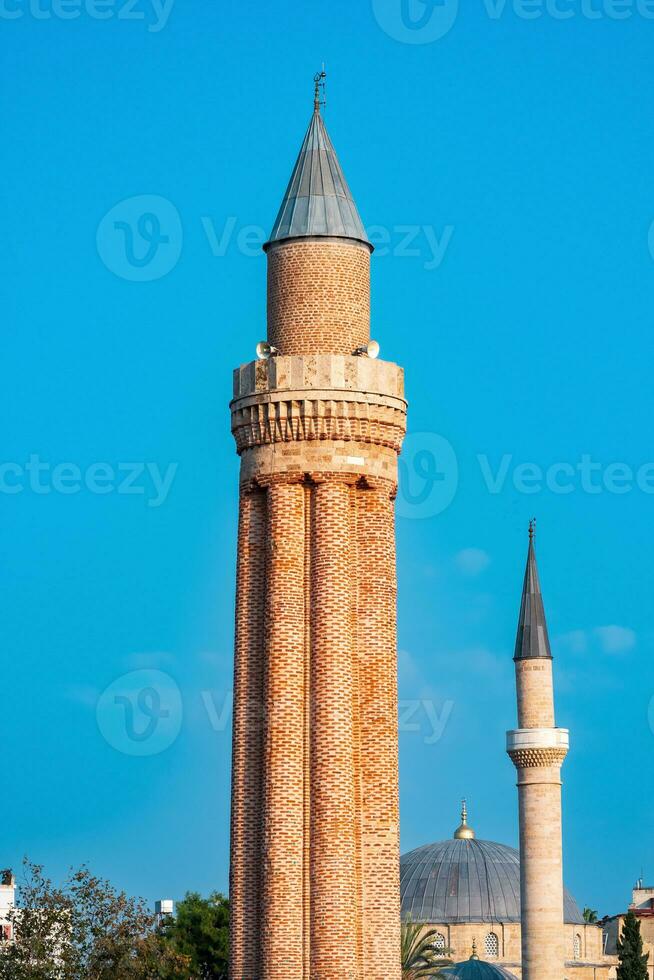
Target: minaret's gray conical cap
(318,201)
(532,641)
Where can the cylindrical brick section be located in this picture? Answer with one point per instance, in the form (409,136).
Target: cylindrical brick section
(306,971)
(541,873)
(377,645)
(333,844)
(318,296)
(535,693)
(245,868)
(281,935)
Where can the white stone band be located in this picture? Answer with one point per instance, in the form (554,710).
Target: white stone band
(537,738)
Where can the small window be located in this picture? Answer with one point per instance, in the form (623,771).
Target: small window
(577,947)
(438,943)
(492,945)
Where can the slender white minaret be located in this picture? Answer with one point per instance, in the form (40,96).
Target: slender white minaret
(538,749)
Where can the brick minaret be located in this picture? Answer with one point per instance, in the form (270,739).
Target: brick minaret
(538,749)
(318,426)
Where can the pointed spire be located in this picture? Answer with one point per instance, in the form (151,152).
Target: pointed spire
(532,641)
(318,201)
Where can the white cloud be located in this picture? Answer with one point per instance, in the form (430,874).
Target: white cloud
(615,639)
(472,561)
(609,639)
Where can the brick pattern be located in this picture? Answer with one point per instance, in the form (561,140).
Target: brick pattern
(247,758)
(315,844)
(318,296)
(377,647)
(283,778)
(333,843)
(321,800)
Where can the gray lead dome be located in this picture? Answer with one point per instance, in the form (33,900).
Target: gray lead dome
(466,881)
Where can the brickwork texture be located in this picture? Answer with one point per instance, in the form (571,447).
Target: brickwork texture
(315,814)
(318,296)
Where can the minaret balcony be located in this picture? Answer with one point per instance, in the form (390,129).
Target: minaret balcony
(535,747)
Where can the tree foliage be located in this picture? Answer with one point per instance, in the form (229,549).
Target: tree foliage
(590,915)
(200,933)
(633,963)
(84,930)
(420,959)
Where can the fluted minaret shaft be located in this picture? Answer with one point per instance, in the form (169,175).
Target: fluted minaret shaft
(538,749)
(315,812)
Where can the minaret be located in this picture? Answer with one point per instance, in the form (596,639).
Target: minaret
(318,424)
(538,749)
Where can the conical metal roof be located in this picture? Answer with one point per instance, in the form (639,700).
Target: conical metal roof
(318,200)
(532,641)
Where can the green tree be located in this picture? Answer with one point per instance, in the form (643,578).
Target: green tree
(200,934)
(84,930)
(590,915)
(633,963)
(420,958)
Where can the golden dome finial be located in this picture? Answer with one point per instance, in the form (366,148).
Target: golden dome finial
(474,950)
(464,832)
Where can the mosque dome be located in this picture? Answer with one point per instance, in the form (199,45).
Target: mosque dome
(466,880)
(474,969)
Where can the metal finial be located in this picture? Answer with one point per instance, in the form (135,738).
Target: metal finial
(319,83)
(474,950)
(464,832)
(532,529)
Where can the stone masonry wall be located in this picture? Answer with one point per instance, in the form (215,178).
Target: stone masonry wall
(535,693)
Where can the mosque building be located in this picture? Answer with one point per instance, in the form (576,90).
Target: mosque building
(469,890)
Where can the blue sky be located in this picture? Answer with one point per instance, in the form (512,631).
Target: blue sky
(506,161)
